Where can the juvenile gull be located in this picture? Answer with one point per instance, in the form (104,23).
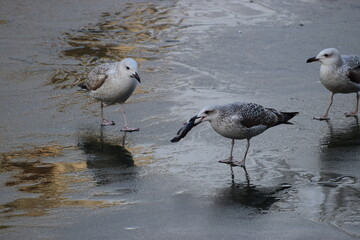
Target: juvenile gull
(238,121)
(339,74)
(112,83)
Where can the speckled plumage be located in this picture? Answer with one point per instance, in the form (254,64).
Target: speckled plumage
(339,74)
(113,83)
(242,120)
(336,77)
(237,121)
(98,75)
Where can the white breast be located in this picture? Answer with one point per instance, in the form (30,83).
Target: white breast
(335,80)
(116,89)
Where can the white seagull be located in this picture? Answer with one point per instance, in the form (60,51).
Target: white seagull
(112,83)
(339,74)
(237,121)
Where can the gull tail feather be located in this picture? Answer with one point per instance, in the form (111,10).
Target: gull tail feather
(83,86)
(285,117)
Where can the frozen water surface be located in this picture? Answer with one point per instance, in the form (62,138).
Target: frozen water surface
(62,176)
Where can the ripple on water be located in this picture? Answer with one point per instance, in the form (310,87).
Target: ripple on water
(143,31)
(45,184)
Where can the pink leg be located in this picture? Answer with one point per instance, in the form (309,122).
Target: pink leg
(230,159)
(126,128)
(105,122)
(355,112)
(242,162)
(325,116)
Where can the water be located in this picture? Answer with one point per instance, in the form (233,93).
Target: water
(62,176)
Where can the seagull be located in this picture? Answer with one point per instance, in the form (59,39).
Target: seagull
(237,121)
(339,74)
(112,83)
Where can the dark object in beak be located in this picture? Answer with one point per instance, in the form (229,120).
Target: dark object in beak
(313,59)
(135,75)
(185,129)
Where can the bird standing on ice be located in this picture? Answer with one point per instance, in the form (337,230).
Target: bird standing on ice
(339,74)
(112,83)
(237,121)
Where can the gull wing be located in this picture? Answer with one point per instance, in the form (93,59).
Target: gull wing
(252,114)
(97,77)
(354,75)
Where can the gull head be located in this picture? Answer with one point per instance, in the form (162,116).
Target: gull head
(328,56)
(129,66)
(208,113)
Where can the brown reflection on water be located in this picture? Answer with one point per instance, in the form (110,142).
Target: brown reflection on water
(47,183)
(143,31)
(142,155)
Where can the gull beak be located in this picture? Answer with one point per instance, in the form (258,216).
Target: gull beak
(135,75)
(313,59)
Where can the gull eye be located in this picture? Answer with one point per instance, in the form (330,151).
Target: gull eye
(326,55)
(207,112)
(127,68)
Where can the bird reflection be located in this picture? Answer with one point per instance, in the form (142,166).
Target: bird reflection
(110,160)
(343,135)
(337,187)
(253,196)
(341,143)
(246,175)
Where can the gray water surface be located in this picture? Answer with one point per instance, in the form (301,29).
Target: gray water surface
(62,176)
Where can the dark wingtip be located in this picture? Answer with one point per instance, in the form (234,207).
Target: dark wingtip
(288,115)
(82,86)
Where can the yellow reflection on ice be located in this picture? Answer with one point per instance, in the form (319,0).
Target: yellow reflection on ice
(48,182)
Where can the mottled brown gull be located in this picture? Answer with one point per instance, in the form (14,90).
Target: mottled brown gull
(237,121)
(112,83)
(339,74)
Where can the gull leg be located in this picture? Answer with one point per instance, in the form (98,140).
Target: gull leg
(242,162)
(105,122)
(230,159)
(325,116)
(354,113)
(126,128)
